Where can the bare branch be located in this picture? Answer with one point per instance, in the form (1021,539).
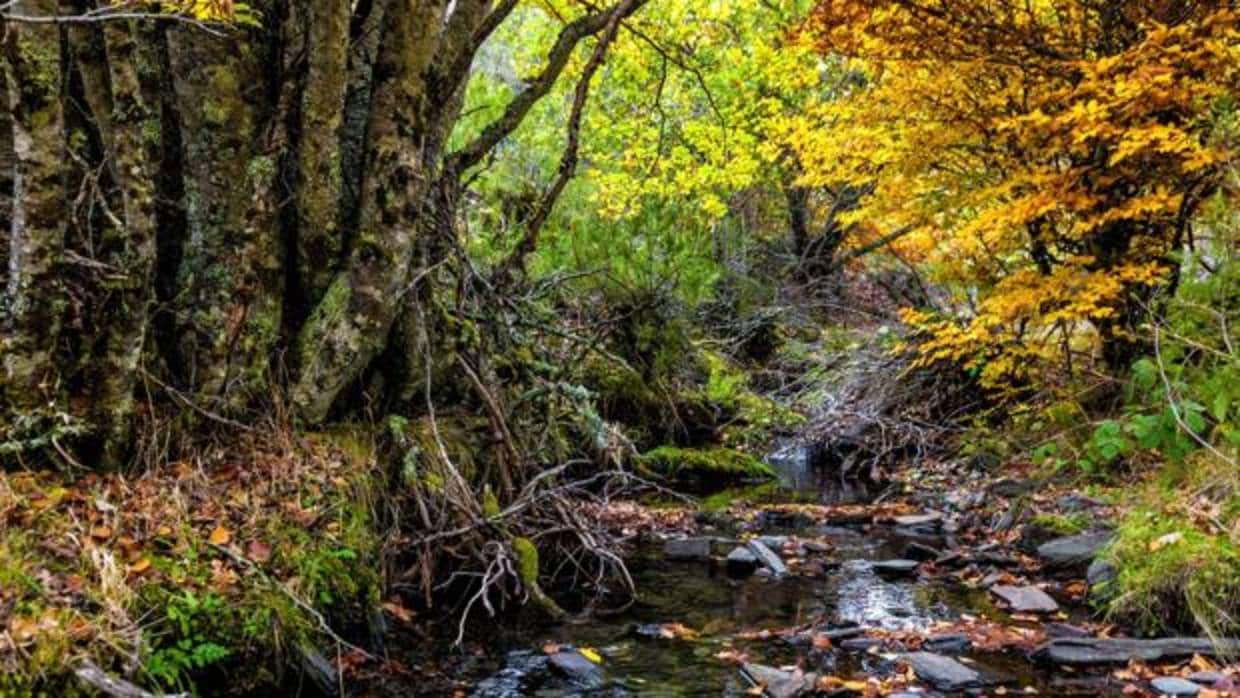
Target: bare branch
(568,161)
(571,35)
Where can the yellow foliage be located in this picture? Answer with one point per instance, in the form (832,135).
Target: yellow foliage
(1050,156)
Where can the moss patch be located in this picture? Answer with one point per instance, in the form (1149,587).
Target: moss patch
(1179,557)
(710,467)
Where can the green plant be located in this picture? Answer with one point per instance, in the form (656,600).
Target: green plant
(193,622)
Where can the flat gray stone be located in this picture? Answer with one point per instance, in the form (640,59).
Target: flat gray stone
(943,673)
(1173,686)
(860,644)
(767,558)
(1074,551)
(1026,599)
(947,644)
(687,549)
(1085,651)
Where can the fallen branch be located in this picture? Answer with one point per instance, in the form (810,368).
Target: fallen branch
(90,674)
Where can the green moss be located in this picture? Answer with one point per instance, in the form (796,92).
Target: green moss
(1174,577)
(705,466)
(527,560)
(1063,524)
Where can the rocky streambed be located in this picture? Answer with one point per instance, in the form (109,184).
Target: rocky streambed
(923,592)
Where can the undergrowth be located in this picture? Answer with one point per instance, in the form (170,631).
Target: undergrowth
(189,572)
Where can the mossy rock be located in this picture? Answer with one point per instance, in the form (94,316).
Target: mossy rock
(712,467)
(1174,577)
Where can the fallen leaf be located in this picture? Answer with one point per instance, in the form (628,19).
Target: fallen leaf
(140,566)
(732,656)
(220,536)
(590,654)
(398,611)
(101,533)
(258,551)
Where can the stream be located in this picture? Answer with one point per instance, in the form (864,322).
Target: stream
(726,612)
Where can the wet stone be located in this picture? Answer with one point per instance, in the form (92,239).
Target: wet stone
(767,558)
(687,549)
(774,542)
(943,673)
(1206,678)
(1083,651)
(1008,487)
(779,683)
(947,644)
(1172,686)
(896,568)
(741,561)
(577,668)
(1026,599)
(860,644)
(510,682)
(1064,630)
(1074,551)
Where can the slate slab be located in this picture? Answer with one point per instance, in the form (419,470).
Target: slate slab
(577,668)
(1086,651)
(1027,599)
(778,683)
(1074,551)
(943,673)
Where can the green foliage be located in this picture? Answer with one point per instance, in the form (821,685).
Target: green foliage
(194,625)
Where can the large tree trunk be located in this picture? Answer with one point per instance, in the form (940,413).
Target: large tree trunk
(231,277)
(33,299)
(350,327)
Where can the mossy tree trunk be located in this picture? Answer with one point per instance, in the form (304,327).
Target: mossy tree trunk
(196,216)
(33,301)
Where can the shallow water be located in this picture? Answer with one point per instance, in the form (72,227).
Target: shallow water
(702,597)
